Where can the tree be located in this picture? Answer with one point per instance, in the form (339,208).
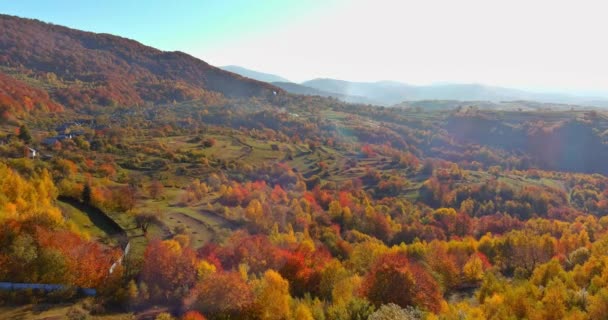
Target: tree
(473,269)
(164,316)
(302,312)
(86,193)
(168,269)
(554,300)
(24,134)
(392,311)
(273,297)
(143,220)
(124,198)
(394,279)
(156,189)
(224,296)
(193,315)
(598,305)
(255,215)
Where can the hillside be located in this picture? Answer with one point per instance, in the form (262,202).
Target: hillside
(79,67)
(18,98)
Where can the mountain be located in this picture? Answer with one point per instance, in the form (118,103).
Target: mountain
(82,68)
(390,92)
(256,75)
(383,93)
(295,88)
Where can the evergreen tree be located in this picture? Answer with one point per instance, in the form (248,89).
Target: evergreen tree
(24,134)
(86,194)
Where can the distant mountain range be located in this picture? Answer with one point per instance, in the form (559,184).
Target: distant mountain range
(260,76)
(296,88)
(389,93)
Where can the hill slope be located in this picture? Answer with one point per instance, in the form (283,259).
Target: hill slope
(18,98)
(80,67)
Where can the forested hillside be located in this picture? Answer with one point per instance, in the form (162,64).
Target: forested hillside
(19,98)
(83,68)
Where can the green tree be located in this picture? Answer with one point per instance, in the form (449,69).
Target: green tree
(24,134)
(86,194)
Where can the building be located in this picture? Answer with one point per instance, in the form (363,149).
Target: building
(30,153)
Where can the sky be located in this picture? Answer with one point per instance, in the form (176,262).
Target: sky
(541,45)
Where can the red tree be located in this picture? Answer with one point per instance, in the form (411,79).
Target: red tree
(395,279)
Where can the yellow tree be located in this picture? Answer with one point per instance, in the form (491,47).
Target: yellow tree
(554,300)
(302,312)
(272,297)
(255,213)
(473,269)
(598,305)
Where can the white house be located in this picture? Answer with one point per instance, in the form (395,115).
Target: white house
(30,153)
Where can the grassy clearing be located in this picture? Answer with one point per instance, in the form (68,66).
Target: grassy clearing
(197,220)
(54,311)
(98,230)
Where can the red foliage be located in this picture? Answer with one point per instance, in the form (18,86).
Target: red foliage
(303,269)
(498,224)
(395,279)
(225,295)
(88,262)
(345,199)
(368,151)
(18,98)
(256,251)
(193,315)
(168,268)
(114,70)
(278,194)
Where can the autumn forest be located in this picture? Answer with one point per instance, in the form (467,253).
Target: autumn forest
(177,190)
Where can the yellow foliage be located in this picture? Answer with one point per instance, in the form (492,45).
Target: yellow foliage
(493,308)
(473,269)
(364,254)
(273,297)
(462,310)
(302,312)
(173,245)
(22,198)
(183,240)
(204,269)
(345,289)
(554,300)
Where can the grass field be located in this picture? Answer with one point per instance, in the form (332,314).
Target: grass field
(56,312)
(97,229)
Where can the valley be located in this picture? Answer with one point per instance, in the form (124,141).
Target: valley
(238,199)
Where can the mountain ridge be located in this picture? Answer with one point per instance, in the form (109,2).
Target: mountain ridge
(256,75)
(389,92)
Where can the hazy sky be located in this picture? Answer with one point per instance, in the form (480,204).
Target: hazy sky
(533,44)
